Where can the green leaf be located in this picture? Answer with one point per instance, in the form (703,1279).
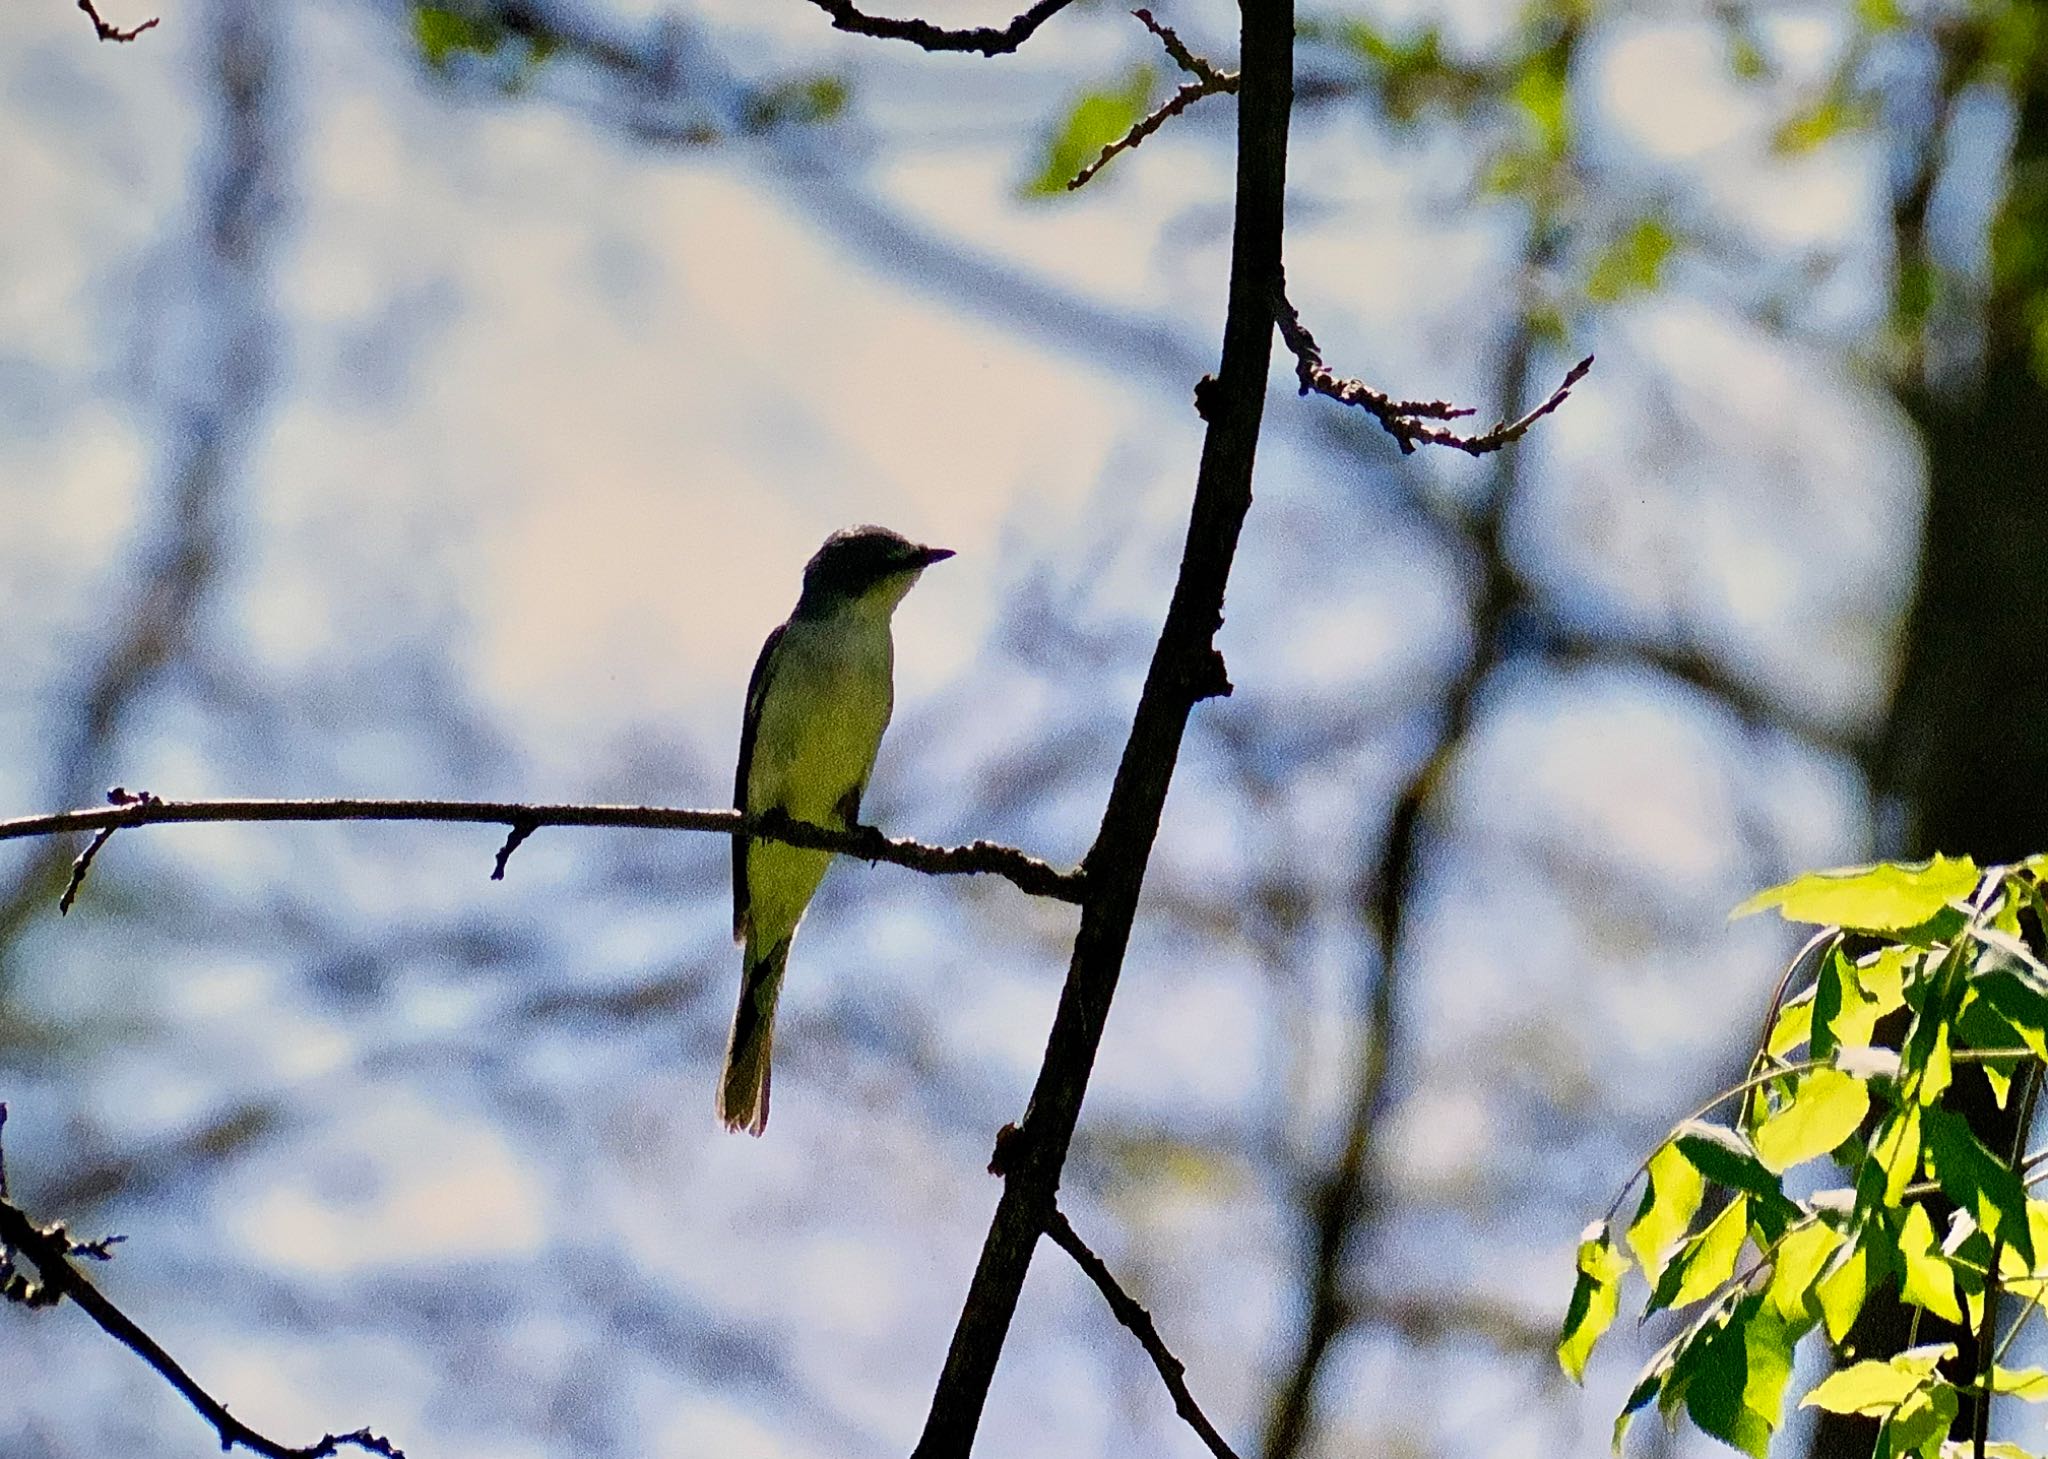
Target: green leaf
(1723,1156)
(1095,120)
(1882,977)
(441,33)
(1794,1026)
(1671,1196)
(1897,1152)
(1649,1383)
(1706,1261)
(1842,1290)
(2029,1385)
(1795,1264)
(1737,1387)
(2020,1001)
(1826,1108)
(1929,1280)
(803,101)
(1886,897)
(1921,1423)
(1631,264)
(1875,1387)
(1979,1181)
(1596,1297)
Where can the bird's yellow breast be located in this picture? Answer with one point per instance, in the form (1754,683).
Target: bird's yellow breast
(823,715)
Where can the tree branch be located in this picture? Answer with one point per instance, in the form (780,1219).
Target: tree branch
(1172,1372)
(50,1250)
(1407,420)
(108,32)
(1184,668)
(1208,82)
(986,39)
(1026,872)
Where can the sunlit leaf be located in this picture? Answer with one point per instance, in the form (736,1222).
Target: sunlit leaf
(1671,1196)
(1842,1289)
(1596,1297)
(1797,1261)
(1921,1423)
(1929,1279)
(1897,1152)
(1794,1026)
(1826,1108)
(1704,1262)
(1877,1386)
(2029,1385)
(1886,897)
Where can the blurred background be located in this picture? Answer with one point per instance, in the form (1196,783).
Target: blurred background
(405,401)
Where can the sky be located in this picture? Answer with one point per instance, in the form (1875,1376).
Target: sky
(542,407)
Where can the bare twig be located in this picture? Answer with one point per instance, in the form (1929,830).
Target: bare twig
(1184,58)
(79,867)
(1407,420)
(987,39)
(1208,82)
(50,1249)
(1172,1372)
(518,834)
(1027,872)
(108,32)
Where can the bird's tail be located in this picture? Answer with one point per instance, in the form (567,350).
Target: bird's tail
(743,1086)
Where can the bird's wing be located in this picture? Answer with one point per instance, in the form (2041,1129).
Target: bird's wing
(757,688)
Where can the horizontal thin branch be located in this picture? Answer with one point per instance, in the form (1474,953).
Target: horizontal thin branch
(51,1249)
(1023,870)
(1407,420)
(108,32)
(987,39)
(1133,1315)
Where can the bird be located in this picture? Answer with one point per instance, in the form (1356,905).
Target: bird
(817,704)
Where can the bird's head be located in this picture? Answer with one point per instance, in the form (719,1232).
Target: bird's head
(866,565)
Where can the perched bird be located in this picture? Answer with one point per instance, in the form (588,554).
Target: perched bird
(816,707)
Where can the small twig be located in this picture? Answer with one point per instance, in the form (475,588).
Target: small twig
(1208,82)
(1132,1315)
(1021,869)
(83,863)
(108,32)
(987,39)
(1184,58)
(51,1249)
(1404,420)
(519,832)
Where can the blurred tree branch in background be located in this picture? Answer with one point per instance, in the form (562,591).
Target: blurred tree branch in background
(109,32)
(52,1251)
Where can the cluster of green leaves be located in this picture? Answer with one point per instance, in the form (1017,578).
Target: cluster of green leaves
(1941,951)
(444,33)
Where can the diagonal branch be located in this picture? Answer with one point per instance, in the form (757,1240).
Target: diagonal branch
(1407,421)
(1208,82)
(1172,1372)
(1184,669)
(1027,872)
(51,1250)
(987,39)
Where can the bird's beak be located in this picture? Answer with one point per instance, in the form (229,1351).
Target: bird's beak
(934,554)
